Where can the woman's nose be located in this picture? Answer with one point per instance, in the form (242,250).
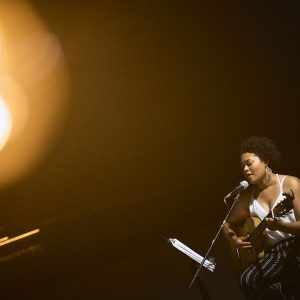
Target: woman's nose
(245,169)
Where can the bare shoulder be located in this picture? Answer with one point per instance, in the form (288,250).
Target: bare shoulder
(292,182)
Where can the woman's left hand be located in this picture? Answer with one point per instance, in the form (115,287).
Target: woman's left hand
(273,223)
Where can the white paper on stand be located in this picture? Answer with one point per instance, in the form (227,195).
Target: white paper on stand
(192,254)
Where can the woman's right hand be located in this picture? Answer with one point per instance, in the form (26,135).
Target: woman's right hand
(241,242)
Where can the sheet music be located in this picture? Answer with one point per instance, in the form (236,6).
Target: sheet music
(192,254)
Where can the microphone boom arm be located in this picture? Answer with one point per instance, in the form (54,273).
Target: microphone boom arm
(214,240)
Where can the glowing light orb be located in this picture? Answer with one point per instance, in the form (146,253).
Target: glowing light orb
(34,85)
(5,123)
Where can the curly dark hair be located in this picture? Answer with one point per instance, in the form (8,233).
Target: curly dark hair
(263,147)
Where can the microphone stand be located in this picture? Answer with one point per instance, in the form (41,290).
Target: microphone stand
(203,288)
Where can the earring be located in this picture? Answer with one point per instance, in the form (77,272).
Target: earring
(268,173)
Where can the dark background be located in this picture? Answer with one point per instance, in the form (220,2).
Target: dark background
(163,93)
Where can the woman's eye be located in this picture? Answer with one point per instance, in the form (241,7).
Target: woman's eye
(248,164)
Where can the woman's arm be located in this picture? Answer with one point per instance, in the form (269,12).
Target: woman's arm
(237,217)
(291,183)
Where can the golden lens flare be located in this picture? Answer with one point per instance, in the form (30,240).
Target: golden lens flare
(5,123)
(34,86)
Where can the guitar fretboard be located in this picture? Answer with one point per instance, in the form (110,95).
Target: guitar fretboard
(258,230)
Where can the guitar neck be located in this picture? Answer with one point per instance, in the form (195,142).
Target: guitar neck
(259,229)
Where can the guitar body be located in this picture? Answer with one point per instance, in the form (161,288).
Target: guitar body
(243,258)
(254,228)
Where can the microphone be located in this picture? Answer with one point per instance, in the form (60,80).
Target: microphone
(242,186)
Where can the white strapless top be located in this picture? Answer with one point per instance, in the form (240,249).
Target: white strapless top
(257,210)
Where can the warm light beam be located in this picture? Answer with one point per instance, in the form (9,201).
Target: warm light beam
(5,123)
(19,237)
(34,86)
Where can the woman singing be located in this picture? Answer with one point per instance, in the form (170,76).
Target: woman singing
(276,275)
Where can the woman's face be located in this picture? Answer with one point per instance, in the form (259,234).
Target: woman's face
(253,167)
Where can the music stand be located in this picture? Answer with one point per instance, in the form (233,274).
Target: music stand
(203,288)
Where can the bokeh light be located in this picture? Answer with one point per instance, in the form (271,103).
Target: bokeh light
(5,123)
(34,86)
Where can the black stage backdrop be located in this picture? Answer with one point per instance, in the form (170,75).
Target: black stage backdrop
(162,94)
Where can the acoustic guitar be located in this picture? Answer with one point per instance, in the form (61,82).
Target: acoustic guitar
(254,228)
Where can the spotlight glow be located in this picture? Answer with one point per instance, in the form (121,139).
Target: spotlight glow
(5,122)
(34,86)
